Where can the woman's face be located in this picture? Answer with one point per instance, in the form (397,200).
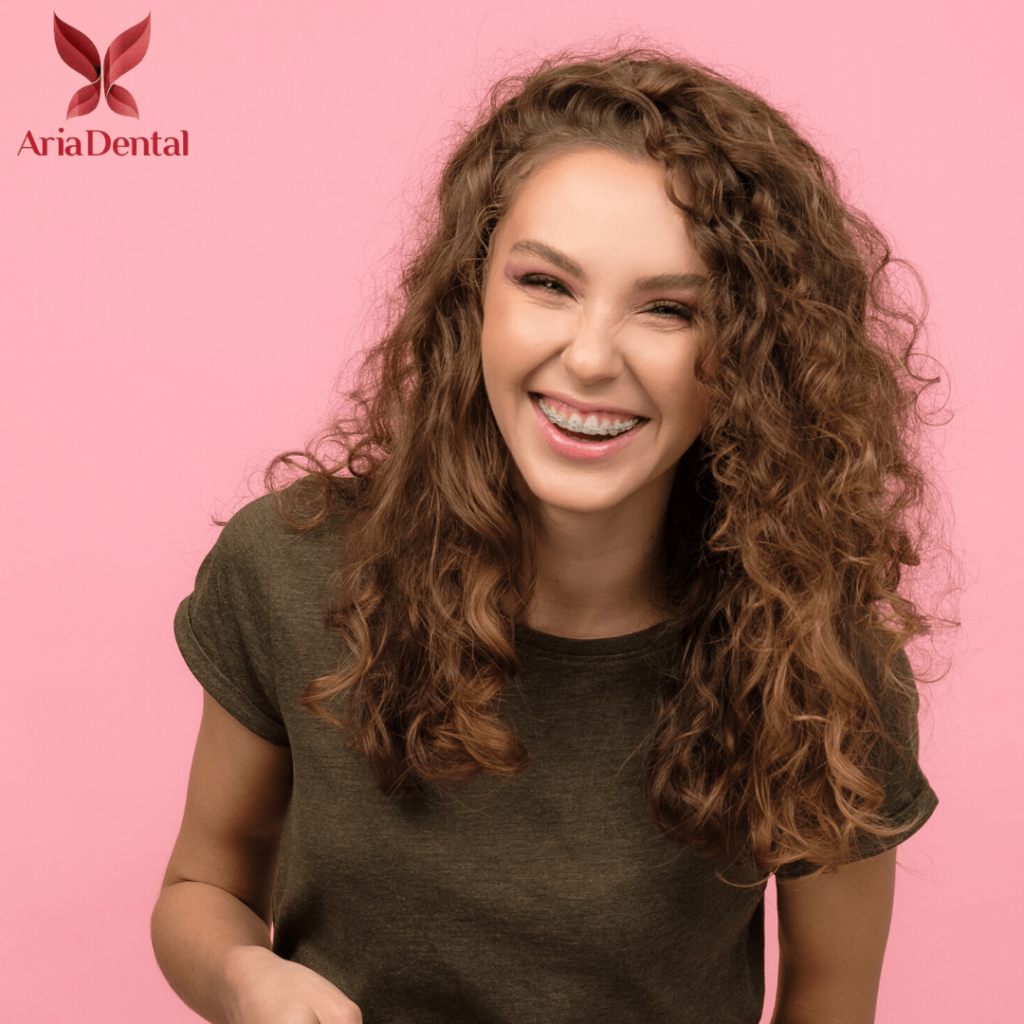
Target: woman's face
(588,310)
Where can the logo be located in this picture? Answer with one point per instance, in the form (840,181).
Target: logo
(79,52)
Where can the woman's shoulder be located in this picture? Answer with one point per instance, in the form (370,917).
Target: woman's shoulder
(305,516)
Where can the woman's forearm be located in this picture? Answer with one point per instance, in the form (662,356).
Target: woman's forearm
(200,932)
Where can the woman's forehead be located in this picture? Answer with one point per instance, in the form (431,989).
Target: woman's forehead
(596,203)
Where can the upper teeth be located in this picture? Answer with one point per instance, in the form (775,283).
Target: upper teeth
(578,425)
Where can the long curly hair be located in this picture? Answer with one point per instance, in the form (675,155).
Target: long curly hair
(790,522)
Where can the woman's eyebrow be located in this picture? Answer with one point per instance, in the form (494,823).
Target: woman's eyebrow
(669,282)
(559,259)
(661,282)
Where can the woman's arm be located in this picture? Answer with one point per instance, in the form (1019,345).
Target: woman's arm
(832,935)
(211,925)
(217,890)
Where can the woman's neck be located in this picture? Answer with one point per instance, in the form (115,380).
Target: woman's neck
(597,573)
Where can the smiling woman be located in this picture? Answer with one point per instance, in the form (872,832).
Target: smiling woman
(584,618)
(594,322)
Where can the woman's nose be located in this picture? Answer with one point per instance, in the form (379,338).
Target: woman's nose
(592,354)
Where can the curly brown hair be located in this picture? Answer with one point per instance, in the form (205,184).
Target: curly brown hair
(790,521)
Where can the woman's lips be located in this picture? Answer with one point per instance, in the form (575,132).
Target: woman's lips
(582,451)
(587,408)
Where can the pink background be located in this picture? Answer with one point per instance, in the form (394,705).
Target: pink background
(168,324)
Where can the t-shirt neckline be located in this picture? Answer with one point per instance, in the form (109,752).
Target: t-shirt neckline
(657,635)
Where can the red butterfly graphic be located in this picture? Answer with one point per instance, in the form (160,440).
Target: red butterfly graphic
(78,51)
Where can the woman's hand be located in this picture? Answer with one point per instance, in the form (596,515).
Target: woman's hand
(269,990)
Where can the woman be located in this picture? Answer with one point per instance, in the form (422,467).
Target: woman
(610,561)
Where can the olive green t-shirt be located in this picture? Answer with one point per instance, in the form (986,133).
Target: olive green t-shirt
(550,898)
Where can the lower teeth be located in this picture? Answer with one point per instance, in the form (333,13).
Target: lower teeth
(589,437)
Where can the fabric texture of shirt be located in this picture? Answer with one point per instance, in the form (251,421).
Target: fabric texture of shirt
(551,897)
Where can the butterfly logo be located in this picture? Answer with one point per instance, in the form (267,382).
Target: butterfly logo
(78,51)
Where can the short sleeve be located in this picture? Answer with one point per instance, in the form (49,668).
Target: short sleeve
(223,627)
(910,800)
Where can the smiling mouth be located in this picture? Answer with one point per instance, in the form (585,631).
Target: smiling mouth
(584,427)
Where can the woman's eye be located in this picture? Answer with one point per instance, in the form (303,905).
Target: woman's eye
(663,310)
(543,283)
(673,309)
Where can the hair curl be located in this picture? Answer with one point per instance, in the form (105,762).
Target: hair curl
(790,522)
